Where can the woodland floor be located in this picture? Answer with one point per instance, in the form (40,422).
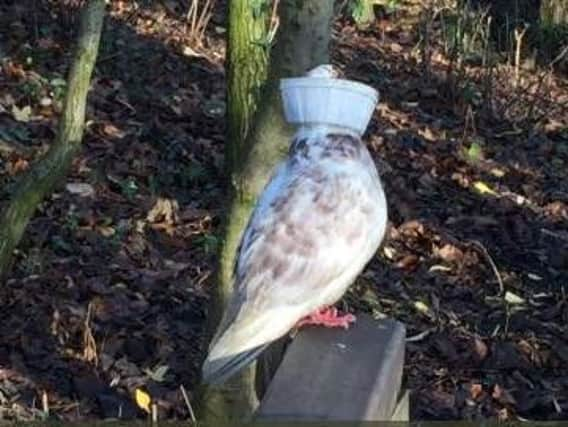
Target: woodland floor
(110,286)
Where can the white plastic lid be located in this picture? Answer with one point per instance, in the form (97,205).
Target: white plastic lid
(320,99)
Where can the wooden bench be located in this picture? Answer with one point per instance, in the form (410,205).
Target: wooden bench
(338,375)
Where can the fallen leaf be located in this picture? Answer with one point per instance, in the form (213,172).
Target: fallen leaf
(106,231)
(412,228)
(502,395)
(408,262)
(158,374)
(111,130)
(499,173)
(480,349)
(395,47)
(421,307)
(164,210)
(475,391)
(534,277)
(80,188)
(142,399)
(45,101)
(389,252)
(58,82)
(483,188)
(14,168)
(449,253)
(438,267)
(513,299)
(22,114)
(475,152)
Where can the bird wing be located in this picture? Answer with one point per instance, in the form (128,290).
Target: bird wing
(311,234)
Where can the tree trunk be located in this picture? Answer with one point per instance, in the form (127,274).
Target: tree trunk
(302,43)
(41,179)
(247,65)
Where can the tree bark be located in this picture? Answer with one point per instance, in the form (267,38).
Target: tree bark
(247,65)
(302,43)
(41,179)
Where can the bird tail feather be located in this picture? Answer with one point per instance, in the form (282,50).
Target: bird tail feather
(217,371)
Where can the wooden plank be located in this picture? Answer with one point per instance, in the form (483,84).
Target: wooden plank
(339,375)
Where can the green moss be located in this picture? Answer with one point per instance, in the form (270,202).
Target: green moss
(44,176)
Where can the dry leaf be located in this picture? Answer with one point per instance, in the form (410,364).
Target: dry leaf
(164,210)
(106,231)
(408,262)
(499,173)
(80,188)
(22,114)
(438,267)
(14,168)
(45,101)
(395,47)
(480,349)
(502,395)
(513,299)
(142,399)
(389,252)
(111,130)
(421,307)
(483,188)
(475,391)
(449,253)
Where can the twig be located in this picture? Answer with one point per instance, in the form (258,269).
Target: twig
(488,72)
(188,403)
(557,406)
(469,120)
(518,44)
(154,413)
(274,21)
(559,57)
(204,18)
(477,244)
(89,343)
(45,404)
(420,336)
(198,20)
(553,234)
(203,278)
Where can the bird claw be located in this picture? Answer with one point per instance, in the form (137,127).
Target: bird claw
(328,317)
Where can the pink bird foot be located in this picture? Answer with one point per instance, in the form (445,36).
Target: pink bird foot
(328,317)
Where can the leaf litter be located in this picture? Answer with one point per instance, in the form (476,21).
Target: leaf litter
(104,313)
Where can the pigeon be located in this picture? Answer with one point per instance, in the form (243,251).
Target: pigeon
(327,71)
(317,223)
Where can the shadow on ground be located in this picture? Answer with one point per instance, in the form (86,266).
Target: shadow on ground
(119,276)
(473,355)
(109,290)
